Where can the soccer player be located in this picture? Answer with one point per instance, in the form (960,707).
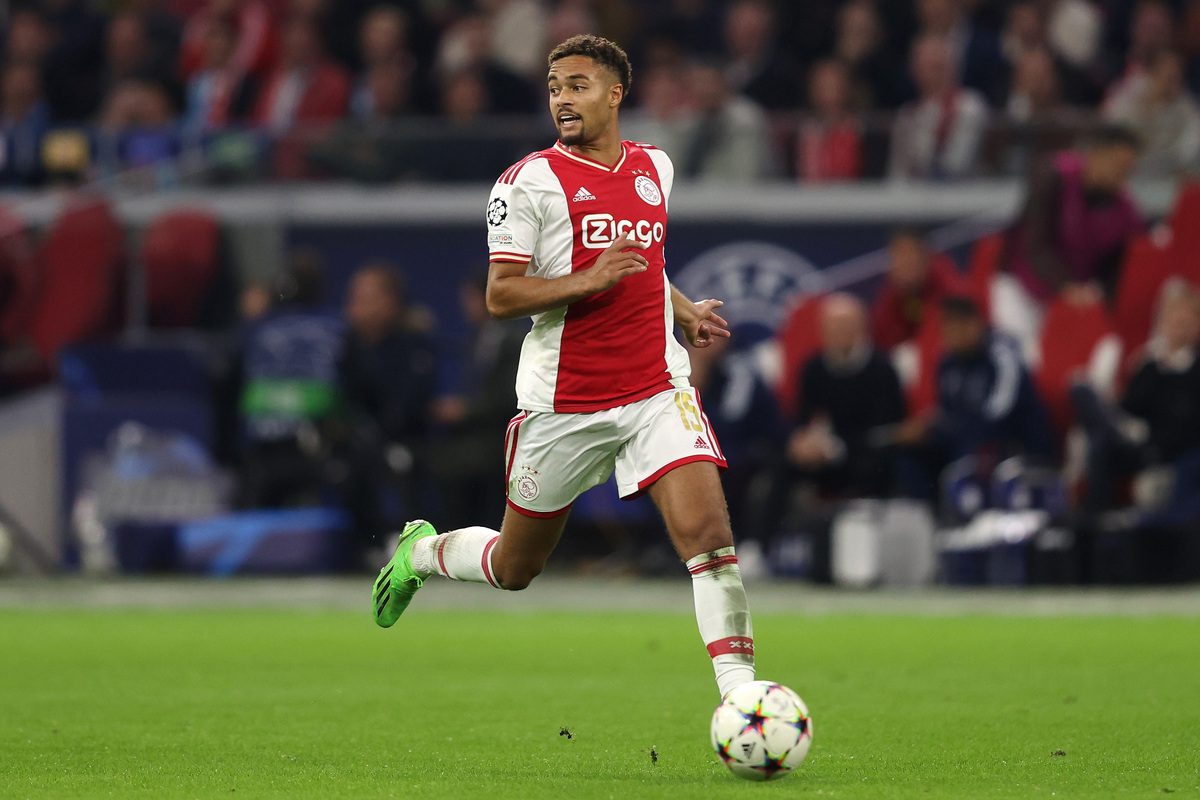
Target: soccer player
(576,235)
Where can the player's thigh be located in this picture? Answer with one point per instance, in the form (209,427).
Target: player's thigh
(672,454)
(553,458)
(524,546)
(692,504)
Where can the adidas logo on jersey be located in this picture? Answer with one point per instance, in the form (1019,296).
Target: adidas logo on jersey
(581,195)
(700,443)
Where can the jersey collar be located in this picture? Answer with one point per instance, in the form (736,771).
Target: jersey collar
(591,161)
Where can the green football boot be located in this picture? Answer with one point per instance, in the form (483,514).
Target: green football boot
(397,581)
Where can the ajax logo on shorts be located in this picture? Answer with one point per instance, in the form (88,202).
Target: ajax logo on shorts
(601,230)
(647,190)
(527,487)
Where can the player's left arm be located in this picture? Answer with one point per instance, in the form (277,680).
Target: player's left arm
(699,321)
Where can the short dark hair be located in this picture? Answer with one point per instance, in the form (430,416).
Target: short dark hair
(1107,136)
(602,51)
(960,306)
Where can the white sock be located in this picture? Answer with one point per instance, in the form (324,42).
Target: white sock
(723,616)
(461,555)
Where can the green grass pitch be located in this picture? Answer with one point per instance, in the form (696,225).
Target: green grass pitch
(472,704)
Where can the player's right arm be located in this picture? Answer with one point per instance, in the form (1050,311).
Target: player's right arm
(512,294)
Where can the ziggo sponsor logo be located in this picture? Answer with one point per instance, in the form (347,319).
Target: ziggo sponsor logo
(601,230)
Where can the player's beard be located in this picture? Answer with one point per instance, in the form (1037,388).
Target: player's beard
(575,137)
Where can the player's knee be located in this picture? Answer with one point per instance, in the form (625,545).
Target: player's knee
(707,532)
(514,579)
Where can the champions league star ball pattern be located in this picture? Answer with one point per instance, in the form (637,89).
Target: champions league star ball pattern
(761,730)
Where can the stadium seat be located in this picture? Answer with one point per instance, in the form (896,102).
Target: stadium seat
(800,338)
(82,257)
(1147,266)
(984,264)
(1185,232)
(1071,337)
(180,254)
(20,278)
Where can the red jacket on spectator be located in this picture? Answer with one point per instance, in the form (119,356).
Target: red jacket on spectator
(829,152)
(896,316)
(256,45)
(324,97)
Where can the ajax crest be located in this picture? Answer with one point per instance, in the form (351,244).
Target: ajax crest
(647,190)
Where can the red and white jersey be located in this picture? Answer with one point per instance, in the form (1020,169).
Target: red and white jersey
(557,211)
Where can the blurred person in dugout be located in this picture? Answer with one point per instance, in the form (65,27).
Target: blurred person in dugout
(1154,432)
(1071,236)
(290,400)
(849,394)
(467,464)
(987,406)
(918,279)
(388,376)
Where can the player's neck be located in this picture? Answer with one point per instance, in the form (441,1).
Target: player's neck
(606,149)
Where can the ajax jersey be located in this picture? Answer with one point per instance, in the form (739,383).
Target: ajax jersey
(557,211)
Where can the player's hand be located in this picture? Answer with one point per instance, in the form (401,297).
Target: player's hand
(1082,294)
(619,260)
(705,325)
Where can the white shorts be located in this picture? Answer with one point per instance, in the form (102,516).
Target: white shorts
(553,458)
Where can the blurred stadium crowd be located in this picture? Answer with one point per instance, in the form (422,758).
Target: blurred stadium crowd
(735,90)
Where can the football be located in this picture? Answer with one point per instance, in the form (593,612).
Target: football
(762,730)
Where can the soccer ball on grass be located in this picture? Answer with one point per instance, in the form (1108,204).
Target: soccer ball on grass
(761,730)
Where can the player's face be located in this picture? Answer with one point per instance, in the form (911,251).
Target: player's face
(583,99)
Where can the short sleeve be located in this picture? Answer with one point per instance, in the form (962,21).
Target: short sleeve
(512,222)
(666,171)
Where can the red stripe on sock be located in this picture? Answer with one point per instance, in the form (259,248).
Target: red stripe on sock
(441,548)
(709,565)
(487,568)
(731,644)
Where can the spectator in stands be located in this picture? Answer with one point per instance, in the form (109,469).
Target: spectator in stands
(74,64)
(467,47)
(918,279)
(664,114)
(30,37)
(987,402)
(24,120)
(219,94)
(128,52)
(1164,115)
(1152,30)
(518,30)
(302,97)
(306,87)
(1034,99)
(1024,42)
(1071,235)
(290,392)
(757,67)
(728,142)
(1075,30)
(386,58)
(939,134)
(974,51)
(875,69)
(829,146)
(848,393)
(137,103)
(1158,421)
(388,376)
(255,51)
(468,465)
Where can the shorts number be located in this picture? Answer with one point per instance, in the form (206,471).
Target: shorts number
(687,408)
